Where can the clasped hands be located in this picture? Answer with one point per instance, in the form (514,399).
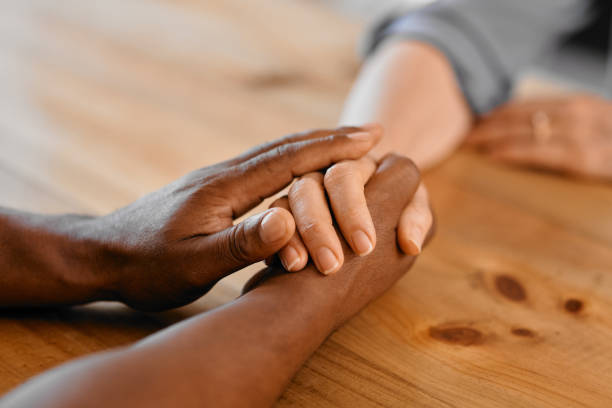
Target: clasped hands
(171,246)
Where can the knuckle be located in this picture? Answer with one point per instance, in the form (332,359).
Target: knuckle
(236,242)
(284,150)
(274,162)
(334,138)
(313,231)
(274,158)
(399,178)
(338,135)
(306,184)
(203,179)
(338,173)
(405,168)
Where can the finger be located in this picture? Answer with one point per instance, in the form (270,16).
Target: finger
(496,134)
(314,222)
(516,123)
(394,184)
(549,156)
(250,241)
(415,223)
(344,183)
(498,131)
(294,255)
(503,123)
(373,128)
(248,183)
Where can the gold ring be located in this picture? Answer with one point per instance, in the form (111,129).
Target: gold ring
(541,127)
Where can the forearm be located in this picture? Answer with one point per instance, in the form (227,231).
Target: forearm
(243,354)
(48,260)
(410,88)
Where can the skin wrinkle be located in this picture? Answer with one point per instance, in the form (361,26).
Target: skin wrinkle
(186,217)
(276,325)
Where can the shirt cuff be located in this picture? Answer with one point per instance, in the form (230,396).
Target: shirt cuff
(482,78)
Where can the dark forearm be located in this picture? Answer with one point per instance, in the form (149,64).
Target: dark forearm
(49,260)
(243,354)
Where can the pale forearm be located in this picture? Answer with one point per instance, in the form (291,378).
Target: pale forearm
(410,88)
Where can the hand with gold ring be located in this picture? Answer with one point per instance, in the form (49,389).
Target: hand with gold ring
(571,135)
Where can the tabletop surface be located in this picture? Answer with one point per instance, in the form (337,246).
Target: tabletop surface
(102,102)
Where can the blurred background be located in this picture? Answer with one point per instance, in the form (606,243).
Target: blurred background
(93,90)
(102,102)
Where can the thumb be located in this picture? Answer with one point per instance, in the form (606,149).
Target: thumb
(252,240)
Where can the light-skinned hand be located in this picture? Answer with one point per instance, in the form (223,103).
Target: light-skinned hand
(570,135)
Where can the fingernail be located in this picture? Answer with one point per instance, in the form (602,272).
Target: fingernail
(412,247)
(272,228)
(326,260)
(289,258)
(361,136)
(361,243)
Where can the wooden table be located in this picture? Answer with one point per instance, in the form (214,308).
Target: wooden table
(103,101)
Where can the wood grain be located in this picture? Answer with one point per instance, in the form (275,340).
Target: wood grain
(104,101)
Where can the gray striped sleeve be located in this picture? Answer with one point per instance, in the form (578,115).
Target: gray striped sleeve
(486,41)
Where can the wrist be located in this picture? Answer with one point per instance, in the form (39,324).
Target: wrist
(77,258)
(308,292)
(91,265)
(50,260)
